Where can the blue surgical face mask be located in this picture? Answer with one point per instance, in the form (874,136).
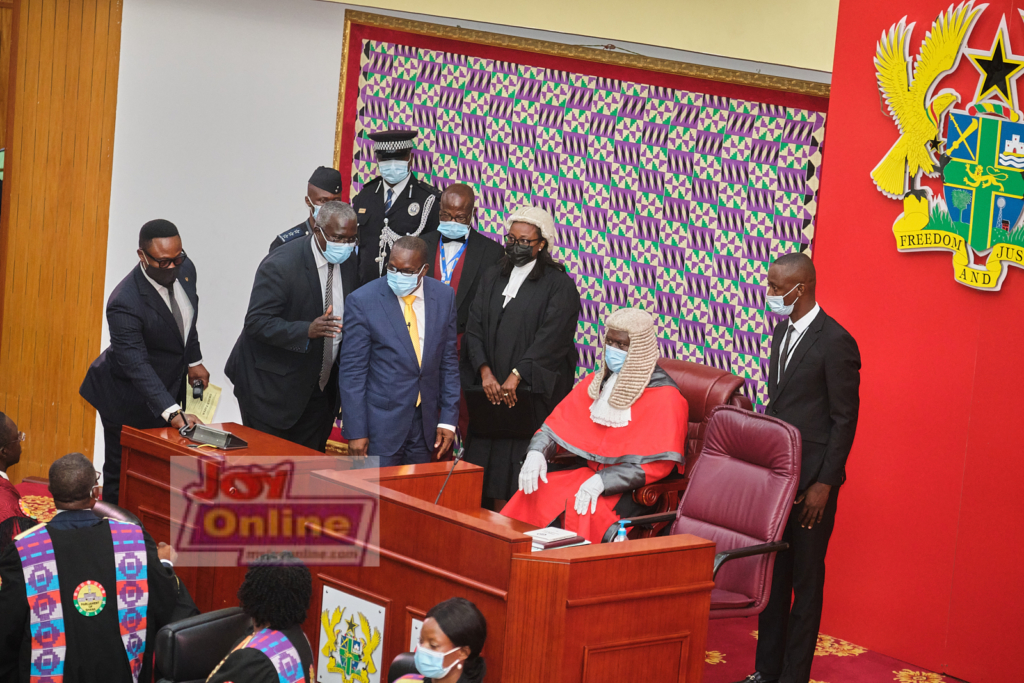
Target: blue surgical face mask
(393,171)
(315,208)
(614,358)
(430,664)
(453,230)
(403,284)
(336,252)
(776,304)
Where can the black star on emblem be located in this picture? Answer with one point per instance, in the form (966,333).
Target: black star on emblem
(997,69)
(351,624)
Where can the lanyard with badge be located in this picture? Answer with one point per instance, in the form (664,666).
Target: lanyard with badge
(448,264)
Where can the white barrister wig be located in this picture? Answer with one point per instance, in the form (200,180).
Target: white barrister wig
(640,360)
(534,215)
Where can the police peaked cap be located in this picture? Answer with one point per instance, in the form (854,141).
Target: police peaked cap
(327,179)
(391,144)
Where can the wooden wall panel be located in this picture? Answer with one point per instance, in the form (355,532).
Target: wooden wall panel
(53,232)
(6,38)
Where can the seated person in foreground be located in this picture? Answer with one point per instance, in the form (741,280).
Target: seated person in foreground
(99,591)
(275,595)
(450,642)
(627,424)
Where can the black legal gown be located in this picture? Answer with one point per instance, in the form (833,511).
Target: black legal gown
(84,551)
(252,666)
(533,334)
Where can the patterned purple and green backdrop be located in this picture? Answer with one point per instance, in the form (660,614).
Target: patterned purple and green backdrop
(667,200)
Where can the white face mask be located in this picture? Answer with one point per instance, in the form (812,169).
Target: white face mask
(776,304)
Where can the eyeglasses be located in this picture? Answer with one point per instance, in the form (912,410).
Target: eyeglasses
(20,437)
(166,262)
(510,241)
(338,240)
(392,269)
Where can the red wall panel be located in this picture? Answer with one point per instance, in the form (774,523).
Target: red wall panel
(926,560)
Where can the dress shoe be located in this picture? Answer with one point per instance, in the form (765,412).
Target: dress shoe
(758,678)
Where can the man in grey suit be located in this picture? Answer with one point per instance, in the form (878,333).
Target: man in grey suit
(398,371)
(284,364)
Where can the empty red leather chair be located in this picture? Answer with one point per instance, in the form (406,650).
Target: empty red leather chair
(740,495)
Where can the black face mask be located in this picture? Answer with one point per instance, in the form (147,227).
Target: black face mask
(164,277)
(519,254)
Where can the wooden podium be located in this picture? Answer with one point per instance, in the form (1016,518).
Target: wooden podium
(612,612)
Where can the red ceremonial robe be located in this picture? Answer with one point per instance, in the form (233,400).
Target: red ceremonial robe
(646,450)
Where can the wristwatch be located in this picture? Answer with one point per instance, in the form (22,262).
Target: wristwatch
(516,373)
(179,411)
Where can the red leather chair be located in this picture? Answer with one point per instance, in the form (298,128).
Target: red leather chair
(740,495)
(704,388)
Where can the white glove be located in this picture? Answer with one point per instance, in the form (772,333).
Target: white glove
(588,494)
(536,465)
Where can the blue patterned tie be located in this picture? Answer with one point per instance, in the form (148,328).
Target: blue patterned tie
(387,201)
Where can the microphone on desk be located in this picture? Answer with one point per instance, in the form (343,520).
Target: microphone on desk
(455,462)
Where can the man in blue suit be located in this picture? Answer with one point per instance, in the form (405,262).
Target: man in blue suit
(398,372)
(139,380)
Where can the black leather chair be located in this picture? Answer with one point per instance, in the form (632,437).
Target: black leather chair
(188,650)
(401,665)
(104,510)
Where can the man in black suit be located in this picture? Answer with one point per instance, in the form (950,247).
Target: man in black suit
(813,384)
(393,204)
(284,364)
(464,256)
(139,380)
(323,186)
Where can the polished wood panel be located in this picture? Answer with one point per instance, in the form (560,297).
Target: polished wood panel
(53,231)
(6,43)
(622,611)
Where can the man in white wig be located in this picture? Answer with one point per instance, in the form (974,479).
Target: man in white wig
(626,423)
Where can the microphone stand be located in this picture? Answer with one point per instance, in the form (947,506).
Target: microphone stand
(455,462)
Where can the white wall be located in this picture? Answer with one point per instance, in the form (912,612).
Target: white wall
(224,108)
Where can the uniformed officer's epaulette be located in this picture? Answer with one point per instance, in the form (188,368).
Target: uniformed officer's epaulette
(289,235)
(428,187)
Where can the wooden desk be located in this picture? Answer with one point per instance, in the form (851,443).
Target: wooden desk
(145,491)
(614,612)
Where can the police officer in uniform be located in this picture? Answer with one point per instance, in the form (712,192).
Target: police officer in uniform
(324,186)
(393,204)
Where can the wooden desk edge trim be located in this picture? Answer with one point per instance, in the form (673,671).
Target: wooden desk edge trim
(411,502)
(421,566)
(600,552)
(641,595)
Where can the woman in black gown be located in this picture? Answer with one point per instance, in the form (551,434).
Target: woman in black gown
(518,356)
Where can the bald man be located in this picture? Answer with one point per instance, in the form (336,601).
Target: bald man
(464,256)
(465,253)
(813,384)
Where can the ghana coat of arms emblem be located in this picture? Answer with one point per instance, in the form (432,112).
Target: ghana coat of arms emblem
(977,151)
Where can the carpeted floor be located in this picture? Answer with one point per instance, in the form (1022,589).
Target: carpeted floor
(730,657)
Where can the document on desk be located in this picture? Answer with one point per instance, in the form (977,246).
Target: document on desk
(206,408)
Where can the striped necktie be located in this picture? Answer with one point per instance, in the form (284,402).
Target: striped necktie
(328,360)
(388,200)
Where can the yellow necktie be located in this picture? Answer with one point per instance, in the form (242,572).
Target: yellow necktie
(414,330)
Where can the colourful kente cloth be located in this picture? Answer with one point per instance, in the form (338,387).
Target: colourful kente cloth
(132,590)
(281,652)
(46,616)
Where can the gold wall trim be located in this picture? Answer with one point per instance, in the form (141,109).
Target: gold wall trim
(588,54)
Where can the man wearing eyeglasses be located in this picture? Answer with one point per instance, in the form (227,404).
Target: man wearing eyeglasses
(398,372)
(140,379)
(10,454)
(284,364)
